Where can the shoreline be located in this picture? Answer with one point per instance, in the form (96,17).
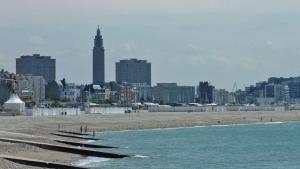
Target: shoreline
(203,126)
(39,128)
(87,160)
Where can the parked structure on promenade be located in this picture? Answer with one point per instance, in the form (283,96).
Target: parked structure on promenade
(36,65)
(14,104)
(133,71)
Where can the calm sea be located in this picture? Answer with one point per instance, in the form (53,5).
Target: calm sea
(261,146)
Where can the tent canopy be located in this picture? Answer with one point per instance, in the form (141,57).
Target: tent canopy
(14,98)
(14,103)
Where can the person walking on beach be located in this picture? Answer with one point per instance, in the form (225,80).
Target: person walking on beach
(94,133)
(80,129)
(85,129)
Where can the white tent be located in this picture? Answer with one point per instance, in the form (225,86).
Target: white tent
(14,104)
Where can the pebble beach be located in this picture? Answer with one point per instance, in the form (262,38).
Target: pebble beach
(39,128)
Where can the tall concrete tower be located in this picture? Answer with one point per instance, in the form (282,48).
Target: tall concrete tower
(98,60)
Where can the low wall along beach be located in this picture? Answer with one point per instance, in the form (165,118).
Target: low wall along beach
(75,111)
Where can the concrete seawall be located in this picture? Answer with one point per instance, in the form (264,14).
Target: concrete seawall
(73,150)
(39,163)
(75,111)
(213,108)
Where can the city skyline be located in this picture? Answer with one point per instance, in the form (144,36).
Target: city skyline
(100,83)
(248,44)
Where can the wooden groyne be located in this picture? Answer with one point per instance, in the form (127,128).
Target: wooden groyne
(66,149)
(39,163)
(78,137)
(72,143)
(75,133)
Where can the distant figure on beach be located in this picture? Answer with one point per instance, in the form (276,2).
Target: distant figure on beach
(219,122)
(260,118)
(85,129)
(80,129)
(58,126)
(94,133)
(271,120)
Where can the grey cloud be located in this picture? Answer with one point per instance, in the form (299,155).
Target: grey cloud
(36,40)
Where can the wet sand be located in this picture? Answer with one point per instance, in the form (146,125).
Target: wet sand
(39,128)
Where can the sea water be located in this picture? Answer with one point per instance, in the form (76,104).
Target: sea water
(255,146)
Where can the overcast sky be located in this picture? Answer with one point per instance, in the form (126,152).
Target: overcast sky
(187,41)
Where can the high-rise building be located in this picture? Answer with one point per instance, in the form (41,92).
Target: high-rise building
(98,60)
(170,93)
(221,96)
(36,65)
(31,88)
(294,89)
(205,93)
(133,71)
(144,91)
(277,91)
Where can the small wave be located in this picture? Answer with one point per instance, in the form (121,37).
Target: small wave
(90,141)
(174,128)
(90,160)
(222,125)
(151,129)
(275,122)
(140,156)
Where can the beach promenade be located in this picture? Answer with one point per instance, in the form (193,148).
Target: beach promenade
(39,129)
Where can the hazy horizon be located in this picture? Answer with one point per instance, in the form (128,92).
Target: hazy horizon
(220,41)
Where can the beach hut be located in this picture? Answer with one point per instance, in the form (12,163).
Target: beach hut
(14,104)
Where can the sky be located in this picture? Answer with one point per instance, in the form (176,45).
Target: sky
(220,41)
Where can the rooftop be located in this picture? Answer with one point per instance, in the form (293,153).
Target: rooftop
(134,60)
(36,56)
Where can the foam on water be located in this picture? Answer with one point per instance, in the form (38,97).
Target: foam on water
(217,125)
(140,156)
(276,122)
(90,141)
(90,160)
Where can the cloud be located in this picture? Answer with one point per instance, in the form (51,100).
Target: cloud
(36,40)
(130,47)
(57,8)
(270,42)
(193,37)
(1,61)
(6,62)
(193,47)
